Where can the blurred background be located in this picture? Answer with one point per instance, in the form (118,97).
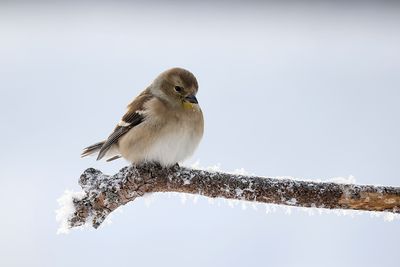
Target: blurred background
(309,89)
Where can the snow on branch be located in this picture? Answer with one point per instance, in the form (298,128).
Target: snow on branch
(103,193)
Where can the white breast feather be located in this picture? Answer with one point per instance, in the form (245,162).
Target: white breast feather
(154,140)
(173,147)
(167,146)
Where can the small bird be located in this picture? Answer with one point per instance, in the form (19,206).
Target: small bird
(163,124)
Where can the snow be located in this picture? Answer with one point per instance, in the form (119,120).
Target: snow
(272,208)
(343,180)
(196,166)
(66,206)
(292,201)
(288,210)
(183,198)
(238,192)
(240,171)
(149,198)
(66,209)
(388,216)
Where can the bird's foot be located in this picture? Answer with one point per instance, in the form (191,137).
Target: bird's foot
(175,167)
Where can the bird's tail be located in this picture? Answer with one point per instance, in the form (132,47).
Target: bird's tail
(92,149)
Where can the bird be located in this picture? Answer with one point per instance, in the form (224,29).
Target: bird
(164,124)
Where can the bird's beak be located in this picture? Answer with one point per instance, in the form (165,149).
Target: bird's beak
(191,99)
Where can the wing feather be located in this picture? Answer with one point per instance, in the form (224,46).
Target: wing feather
(133,117)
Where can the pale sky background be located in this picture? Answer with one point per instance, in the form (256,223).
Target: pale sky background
(300,89)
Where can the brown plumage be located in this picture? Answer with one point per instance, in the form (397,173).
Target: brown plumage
(163,124)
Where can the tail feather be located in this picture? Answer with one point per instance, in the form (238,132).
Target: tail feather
(92,149)
(113,158)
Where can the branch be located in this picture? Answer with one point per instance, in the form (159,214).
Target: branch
(104,193)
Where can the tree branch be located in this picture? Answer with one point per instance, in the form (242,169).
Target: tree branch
(104,193)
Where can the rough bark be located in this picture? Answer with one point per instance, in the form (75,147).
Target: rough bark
(104,193)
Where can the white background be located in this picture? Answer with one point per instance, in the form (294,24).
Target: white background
(302,89)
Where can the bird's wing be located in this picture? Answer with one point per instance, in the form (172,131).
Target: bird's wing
(133,117)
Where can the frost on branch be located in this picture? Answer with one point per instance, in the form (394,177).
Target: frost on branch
(103,193)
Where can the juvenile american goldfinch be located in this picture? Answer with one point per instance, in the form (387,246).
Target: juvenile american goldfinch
(163,124)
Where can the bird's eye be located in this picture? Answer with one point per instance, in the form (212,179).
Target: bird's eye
(178,89)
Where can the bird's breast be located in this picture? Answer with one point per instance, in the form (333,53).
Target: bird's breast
(166,142)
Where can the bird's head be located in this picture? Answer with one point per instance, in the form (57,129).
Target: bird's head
(177,86)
